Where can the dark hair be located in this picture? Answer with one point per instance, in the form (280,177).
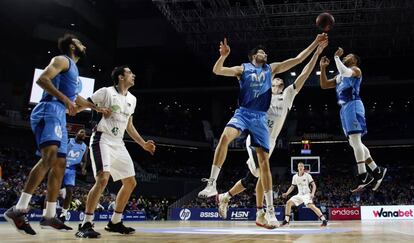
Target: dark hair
(254,51)
(357,59)
(120,70)
(64,43)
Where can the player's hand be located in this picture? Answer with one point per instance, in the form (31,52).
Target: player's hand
(106,112)
(149,146)
(312,197)
(321,46)
(321,37)
(70,106)
(324,62)
(284,195)
(224,48)
(339,52)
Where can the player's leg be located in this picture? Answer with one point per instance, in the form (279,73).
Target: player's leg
(318,213)
(364,178)
(47,134)
(224,198)
(66,202)
(293,201)
(260,213)
(100,160)
(122,168)
(228,135)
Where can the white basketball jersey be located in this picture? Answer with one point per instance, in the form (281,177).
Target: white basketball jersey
(122,107)
(302,182)
(278,110)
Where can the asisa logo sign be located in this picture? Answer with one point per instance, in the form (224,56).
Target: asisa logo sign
(387,212)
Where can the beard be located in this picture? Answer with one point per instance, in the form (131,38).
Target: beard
(79,53)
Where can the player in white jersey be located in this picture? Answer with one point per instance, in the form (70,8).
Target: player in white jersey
(281,103)
(302,180)
(109,155)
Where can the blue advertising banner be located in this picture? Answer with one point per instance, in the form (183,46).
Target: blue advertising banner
(35,215)
(212,214)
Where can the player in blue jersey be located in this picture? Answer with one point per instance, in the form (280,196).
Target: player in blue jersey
(61,84)
(255,80)
(77,155)
(347,84)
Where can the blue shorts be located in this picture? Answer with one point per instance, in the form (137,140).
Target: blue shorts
(353,118)
(69,177)
(48,122)
(253,123)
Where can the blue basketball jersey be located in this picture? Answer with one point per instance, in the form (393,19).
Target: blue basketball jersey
(347,89)
(256,87)
(75,153)
(66,82)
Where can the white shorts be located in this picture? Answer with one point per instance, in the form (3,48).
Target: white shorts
(110,157)
(299,199)
(253,162)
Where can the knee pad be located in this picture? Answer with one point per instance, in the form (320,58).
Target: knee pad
(249,181)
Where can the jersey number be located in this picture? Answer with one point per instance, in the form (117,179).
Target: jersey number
(270,123)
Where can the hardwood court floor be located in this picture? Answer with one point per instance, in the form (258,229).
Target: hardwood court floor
(226,231)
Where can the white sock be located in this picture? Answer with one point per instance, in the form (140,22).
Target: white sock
(372,165)
(50,210)
(116,217)
(44,212)
(24,201)
(215,171)
(287,218)
(361,168)
(64,212)
(88,218)
(269,199)
(227,195)
(260,210)
(322,217)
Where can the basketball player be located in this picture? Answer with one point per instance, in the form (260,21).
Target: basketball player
(281,103)
(347,84)
(61,84)
(254,101)
(302,180)
(77,154)
(109,155)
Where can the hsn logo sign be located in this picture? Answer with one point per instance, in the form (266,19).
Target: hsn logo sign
(240,214)
(185,214)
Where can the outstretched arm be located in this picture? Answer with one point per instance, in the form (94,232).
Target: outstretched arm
(133,133)
(313,184)
(284,195)
(56,66)
(280,67)
(324,82)
(342,69)
(219,69)
(304,75)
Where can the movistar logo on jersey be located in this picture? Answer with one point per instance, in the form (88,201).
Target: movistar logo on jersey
(259,78)
(73,154)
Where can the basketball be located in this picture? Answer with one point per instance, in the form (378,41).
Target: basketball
(325,21)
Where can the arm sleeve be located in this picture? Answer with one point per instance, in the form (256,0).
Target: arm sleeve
(290,93)
(293,180)
(342,69)
(98,97)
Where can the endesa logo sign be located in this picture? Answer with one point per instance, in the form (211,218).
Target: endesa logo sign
(345,213)
(387,212)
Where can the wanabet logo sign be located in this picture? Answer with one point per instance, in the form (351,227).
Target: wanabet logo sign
(387,212)
(345,213)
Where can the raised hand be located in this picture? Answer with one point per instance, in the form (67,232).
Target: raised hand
(321,46)
(224,48)
(324,62)
(339,52)
(321,37)
(149,146)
